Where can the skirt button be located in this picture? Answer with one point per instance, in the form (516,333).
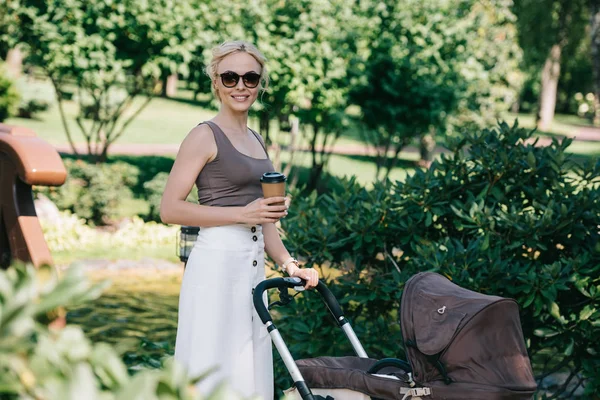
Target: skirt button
(254,238)
(254,263)
(253,229)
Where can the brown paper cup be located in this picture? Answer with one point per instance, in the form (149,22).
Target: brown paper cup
(273,185)
(274,190)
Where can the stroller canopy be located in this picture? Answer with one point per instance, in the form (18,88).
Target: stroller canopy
(455,337)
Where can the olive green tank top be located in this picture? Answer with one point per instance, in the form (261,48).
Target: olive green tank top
(232,178)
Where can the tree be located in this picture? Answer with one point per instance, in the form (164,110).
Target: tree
(488,65)
(433,68)
(545,29)
(321,97)
(400,98)
(308,44)
(109,57)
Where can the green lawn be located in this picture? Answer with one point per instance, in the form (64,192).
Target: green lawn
(562,125)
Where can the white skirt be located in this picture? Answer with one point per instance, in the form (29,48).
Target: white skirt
(217,324)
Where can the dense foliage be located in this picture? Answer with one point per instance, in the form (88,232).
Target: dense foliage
(109,57)
(499,216)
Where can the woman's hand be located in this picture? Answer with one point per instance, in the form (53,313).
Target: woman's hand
(262,211)
(310,275)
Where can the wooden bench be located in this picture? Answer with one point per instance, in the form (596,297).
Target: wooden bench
(25,160)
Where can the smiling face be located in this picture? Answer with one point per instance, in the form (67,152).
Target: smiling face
(238,98)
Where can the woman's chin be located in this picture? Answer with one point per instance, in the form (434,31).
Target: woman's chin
(240,107)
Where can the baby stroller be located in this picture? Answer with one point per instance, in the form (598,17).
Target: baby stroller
(460,345)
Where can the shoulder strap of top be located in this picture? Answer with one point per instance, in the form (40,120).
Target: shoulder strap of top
(217,132)
(260,139)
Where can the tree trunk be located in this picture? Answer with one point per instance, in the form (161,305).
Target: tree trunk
(276,158)
(426,147)
(61,110)
(14,62)
(317,167)
(170,86)
(103,156)
(516,106)
(314,178)
(263,124)
(595,50)
(550,75)
(295,127)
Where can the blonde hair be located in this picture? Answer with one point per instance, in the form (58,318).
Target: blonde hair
(231,47)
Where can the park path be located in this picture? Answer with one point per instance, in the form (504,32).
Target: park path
(583,134)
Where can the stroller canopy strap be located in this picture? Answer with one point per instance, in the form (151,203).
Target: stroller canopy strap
(415,393)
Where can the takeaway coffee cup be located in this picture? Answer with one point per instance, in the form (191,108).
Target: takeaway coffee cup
(273,185)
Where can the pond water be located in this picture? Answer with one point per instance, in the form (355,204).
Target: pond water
(137,314)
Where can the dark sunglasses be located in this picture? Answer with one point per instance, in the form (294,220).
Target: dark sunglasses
(230,79)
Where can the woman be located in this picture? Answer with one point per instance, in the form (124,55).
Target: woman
(218,327)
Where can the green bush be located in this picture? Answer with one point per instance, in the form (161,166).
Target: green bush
(94,191)
(148,166)
(341,235)
(519,221)
(499,216)
(9,98)
(56,364)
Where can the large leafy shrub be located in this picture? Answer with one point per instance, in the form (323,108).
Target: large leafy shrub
(499,215)
(520,221)
(94,191)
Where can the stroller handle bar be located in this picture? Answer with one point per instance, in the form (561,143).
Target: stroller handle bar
(298,285)
(331,303)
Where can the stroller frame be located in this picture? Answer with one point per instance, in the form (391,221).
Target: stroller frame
(336,310)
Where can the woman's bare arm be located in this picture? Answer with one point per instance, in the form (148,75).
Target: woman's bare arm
(273,244)
(196,150)
(278,253)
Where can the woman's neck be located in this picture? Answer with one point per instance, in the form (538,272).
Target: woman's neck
(231,121)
